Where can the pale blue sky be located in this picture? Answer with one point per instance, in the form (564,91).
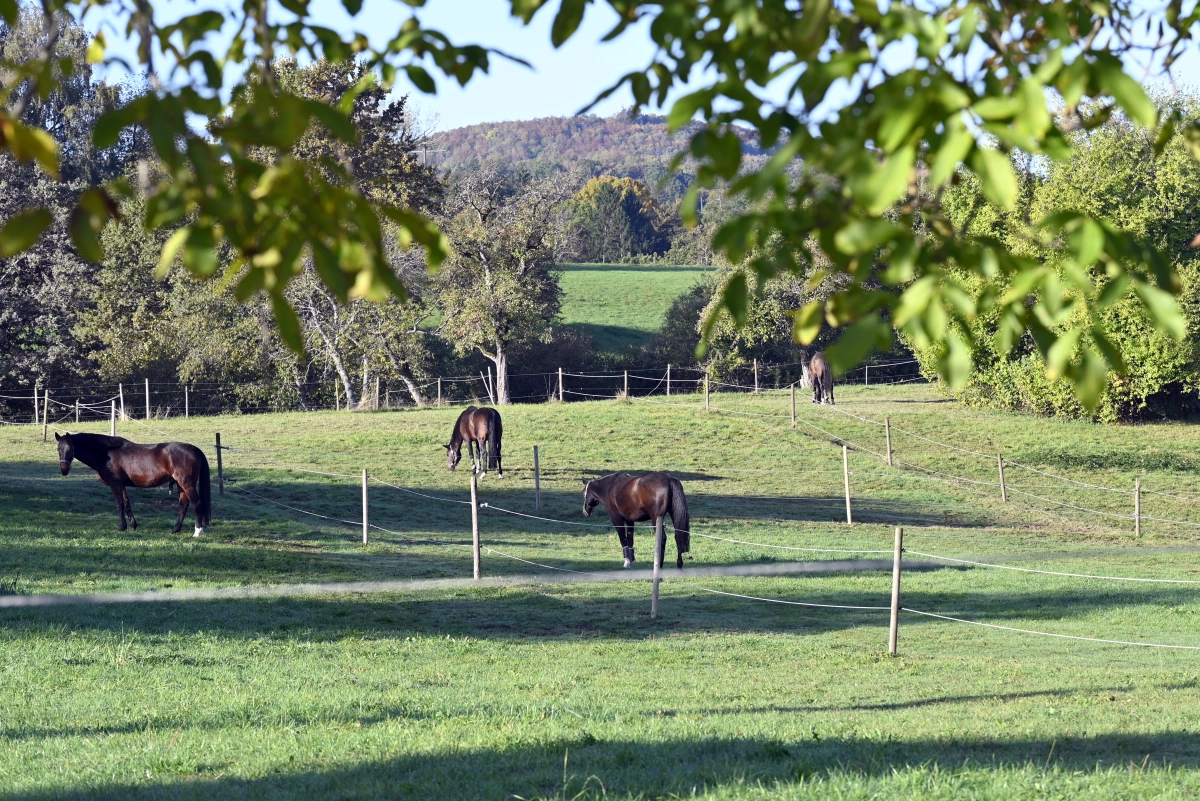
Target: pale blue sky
(560,81)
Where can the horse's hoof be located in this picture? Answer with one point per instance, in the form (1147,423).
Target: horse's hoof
(628,562)
(679,562)
(134,524)
(199,531)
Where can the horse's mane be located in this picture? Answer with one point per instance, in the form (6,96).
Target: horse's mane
(97,441)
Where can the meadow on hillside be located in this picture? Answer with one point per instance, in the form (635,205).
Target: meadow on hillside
(562,691)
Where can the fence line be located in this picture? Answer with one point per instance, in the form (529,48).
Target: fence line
(1051,572)
(1049,634)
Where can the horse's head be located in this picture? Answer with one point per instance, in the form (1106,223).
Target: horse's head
(590,498)
(66,452)
(453,456)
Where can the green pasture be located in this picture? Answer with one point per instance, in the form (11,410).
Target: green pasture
(571,690)
(622,305)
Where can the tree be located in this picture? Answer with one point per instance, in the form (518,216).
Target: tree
(498,290)
(45,286)
(816,81)
(618,217)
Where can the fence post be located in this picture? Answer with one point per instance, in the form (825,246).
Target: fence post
(793,404)
(439,392)
(1137,506)
(187,407)
(35,405)
(537,482)
(1003,489)
(366,523)
(112,418)
(491,385)
(866,375)
(561,399)
(77,411)
(706,391)
(756,376)
(887,429)
(475,521)
(376,402)
(147,398)
(668,380)
(846,476)
(121,397)
(220,467)
(626,385)
(658,547)
(45,411)
(337,395)
(894,628)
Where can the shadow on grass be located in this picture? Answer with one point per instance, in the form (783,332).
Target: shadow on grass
(653,769)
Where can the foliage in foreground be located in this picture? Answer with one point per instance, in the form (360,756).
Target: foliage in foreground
(769,64)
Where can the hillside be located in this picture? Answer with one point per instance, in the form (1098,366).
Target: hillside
(618,145)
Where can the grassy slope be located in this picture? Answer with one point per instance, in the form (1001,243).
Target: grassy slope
(622,305)
(482,693)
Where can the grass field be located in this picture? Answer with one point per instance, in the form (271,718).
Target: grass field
(622,305)
(571,691)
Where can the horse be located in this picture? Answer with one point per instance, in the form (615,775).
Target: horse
(629,499)
(121,464)
(482,430)
(822,378)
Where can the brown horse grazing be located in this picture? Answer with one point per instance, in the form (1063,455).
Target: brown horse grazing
(822,378)
(121,464)
(629,500)
(482,430)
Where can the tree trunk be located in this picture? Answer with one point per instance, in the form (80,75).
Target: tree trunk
(405,374)
(338,365)
(501,362)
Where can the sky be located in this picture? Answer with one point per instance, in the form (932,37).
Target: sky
(559,82)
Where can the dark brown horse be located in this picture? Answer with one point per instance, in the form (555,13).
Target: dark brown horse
(482,430)
(822,378)
(121,464)
(634,499)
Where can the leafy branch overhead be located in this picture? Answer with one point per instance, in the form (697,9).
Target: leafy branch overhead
(884,108)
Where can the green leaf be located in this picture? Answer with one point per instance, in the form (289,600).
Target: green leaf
(879,188)
(734,297)
(170,250)
(954,150)
(996,176)
(288,322)
(954,363)
(863,236)
(22,230)
(1089,378)
(9,11)
(685,108)
(95,51)
(806,322)
(421,79)
(1162,308)
(1059,355)
(869,333)
(566,22)
(352,6)
(1128,92)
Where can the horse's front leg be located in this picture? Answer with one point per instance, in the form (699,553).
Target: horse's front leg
(119,495)
(129,507)
(625,532)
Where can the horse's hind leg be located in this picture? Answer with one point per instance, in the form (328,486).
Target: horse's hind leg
(183,507)
(483,457)
(129,508)
(119,495)
(625,533)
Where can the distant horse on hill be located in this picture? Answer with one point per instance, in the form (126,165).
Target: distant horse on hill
(121,464)
(629,500)
(482,430)
(822,378)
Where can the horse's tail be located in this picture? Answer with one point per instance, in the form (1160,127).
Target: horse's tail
(679,516)
(204,502)
(495,431)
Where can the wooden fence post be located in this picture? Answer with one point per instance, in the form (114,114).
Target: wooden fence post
(793,404)
(121,398)
(36,411)
(894,628)
(658,546)
(187,406)
(376,402)
(77,411)
(45,411)
(756,376)
(337,395)
(668,380)
(626,385)
(887,430)
(866,375)
(112,418)
(1003,488)
(1137,506)
(561,398)
(220,467)
(439,393)
(846,476)
(706,392)
(147,398)
(475,521)
(491,385)
(537,482)
(366,523)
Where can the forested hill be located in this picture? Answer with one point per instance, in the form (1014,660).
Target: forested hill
(622,144)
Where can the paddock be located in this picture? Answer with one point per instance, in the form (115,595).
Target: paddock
(544,681)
